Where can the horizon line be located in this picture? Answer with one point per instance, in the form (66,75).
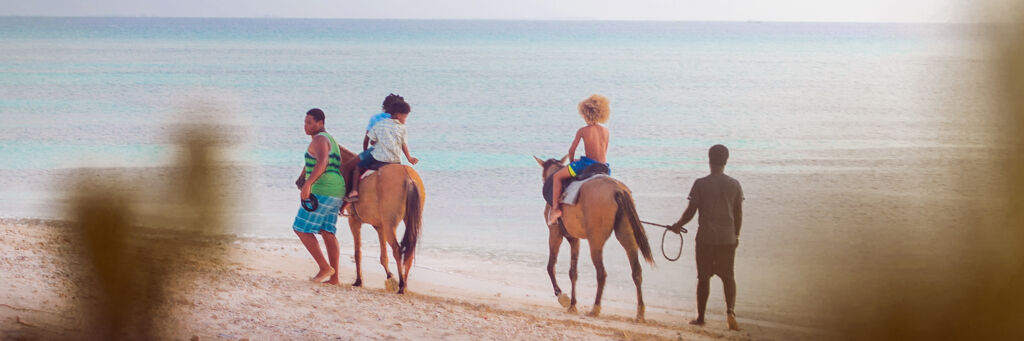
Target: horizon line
(753,21)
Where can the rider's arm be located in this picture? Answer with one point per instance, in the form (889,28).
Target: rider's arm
(575,142)
(405,149)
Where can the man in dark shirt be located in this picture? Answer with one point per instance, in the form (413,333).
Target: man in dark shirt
(719,200)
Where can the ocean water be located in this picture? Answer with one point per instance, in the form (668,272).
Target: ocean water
(830,126)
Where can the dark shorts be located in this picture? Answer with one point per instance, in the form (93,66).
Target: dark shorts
(366,161)
(715,260)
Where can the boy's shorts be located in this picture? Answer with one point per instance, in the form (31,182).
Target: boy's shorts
(324,218)
(577,167)
(366,161)
(365,153)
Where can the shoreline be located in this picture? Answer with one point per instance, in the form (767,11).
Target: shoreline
(276,272)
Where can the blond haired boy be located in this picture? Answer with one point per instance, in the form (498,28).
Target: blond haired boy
(595,142)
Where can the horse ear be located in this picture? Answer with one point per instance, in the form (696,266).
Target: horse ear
(564,158)
(539,161)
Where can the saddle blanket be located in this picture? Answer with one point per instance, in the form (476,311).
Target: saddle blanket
(572,191)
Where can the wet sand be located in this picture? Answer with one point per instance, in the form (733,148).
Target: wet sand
(260,291)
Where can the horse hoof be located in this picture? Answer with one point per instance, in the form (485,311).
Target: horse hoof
(572,309)
(640,319)
(391,285)
(358,283)
(595,312)
(563,299)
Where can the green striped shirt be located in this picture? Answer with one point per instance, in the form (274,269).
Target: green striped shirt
(330,183)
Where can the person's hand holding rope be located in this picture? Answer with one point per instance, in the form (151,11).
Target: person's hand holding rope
(677,228)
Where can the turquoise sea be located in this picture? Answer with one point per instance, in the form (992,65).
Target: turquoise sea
(830,126)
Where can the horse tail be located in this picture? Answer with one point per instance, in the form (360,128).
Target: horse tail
(413,221)
(625,203)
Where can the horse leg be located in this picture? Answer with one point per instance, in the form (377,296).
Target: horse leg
(355,226)
(626,239)
(383,251)
(408,265)
(574,246)
(554,244)
(597,256)
(397,250)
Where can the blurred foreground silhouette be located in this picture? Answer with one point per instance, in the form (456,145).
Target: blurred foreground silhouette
(971,286)
(126,276)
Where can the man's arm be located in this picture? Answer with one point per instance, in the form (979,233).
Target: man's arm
(366,140)
(301,180)
(737,213)
(691,210)
(321,149)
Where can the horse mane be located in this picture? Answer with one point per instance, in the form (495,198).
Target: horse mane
(549,163)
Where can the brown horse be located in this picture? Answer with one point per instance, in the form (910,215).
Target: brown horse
(604,205)
(392,194)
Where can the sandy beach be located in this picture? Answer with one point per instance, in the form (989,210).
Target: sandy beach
(260,292)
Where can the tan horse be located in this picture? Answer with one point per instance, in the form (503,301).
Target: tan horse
(604,205)
(392,194)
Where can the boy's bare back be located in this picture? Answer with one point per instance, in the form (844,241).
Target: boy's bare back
(595,141)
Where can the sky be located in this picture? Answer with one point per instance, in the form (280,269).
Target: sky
(671,10)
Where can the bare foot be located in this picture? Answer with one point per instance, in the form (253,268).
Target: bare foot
(554,215)
(323,275)
(697,322)
(344,211)
(731,318)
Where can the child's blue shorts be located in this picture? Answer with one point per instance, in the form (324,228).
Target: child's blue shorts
(576,167)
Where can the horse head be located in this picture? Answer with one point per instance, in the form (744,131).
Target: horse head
(550,166)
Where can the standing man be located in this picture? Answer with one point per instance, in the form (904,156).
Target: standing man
(321,177)
(719,200)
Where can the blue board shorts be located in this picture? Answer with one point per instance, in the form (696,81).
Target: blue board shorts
(577,167)
(366,159)
(324,218)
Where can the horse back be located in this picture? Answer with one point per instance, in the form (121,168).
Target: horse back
(593,215)
(382,194)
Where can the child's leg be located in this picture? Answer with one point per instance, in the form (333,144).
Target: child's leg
(556,194)
(349,168)
(357,174)
(353,195)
